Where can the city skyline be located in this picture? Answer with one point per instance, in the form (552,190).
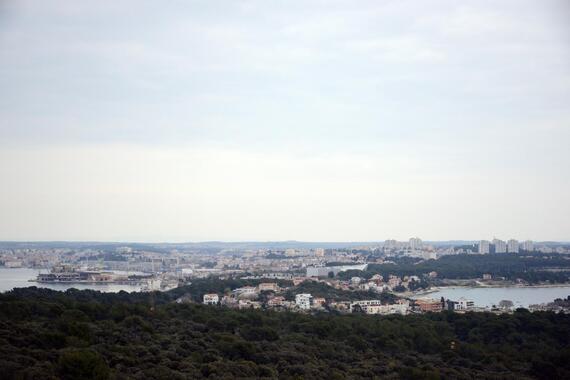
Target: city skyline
(249,121)
(524,244)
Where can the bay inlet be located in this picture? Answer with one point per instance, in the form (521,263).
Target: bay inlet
(522,296)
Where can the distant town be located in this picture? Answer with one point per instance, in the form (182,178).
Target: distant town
(392,277)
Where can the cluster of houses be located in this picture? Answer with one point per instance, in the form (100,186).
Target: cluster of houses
(249,297)
(376,283)
(404,306)
(558,306)
(379,284)
(432,305)
(244,297)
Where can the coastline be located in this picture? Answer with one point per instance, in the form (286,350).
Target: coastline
(435,289)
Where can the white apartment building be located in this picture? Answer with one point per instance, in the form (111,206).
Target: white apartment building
(319,252)
(211,299)
(464,304)
(245,290)
(513,246)
(304,301)
(367,306)
(527,245)
(416,243)
(484,247)
(500,246)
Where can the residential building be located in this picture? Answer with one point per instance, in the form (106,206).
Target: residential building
(245,290)
(416,244)
(268,286)
(319,302)
(376,307)
(372,309)
(513,246)
(484,246)
(527,246)
(390,244)
(394,281)
(319,252)
(429,305)
(500,246)
(448,305)
(211,299)
(401,307)
(276,301)
(367,306)
(303,301)
(464,304)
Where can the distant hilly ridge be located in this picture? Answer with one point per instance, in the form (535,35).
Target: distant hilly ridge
(218,245)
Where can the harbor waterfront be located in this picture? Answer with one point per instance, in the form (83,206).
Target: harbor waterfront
(521,296)
(20,278)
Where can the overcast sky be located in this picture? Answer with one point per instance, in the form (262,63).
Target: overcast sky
(277,120)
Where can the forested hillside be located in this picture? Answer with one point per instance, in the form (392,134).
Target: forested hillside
(533,268)
(89,335)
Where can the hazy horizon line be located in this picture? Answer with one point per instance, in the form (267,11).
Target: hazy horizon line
(565,241)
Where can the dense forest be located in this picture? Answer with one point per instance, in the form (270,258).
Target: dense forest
(532,268)
(46,334)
